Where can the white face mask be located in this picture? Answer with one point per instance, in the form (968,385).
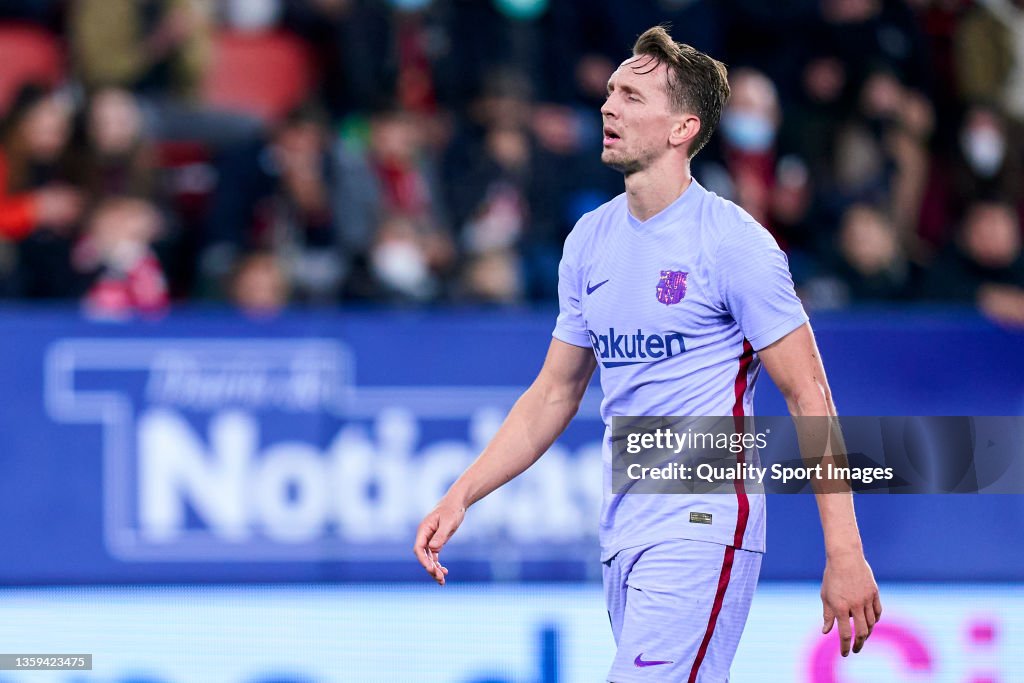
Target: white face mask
(401,265)
(124,255)
(984,149)
(747,131)
(253,15)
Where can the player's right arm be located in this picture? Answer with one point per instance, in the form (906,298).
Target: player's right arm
(539,416)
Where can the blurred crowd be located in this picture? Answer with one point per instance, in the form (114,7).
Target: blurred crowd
(443,149)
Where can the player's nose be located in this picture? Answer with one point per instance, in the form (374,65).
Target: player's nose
(608,109)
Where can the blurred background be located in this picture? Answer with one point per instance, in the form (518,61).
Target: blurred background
(272,271)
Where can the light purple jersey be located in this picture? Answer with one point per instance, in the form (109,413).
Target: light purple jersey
(676,308)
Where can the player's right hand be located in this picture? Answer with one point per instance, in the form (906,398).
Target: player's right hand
(434,531)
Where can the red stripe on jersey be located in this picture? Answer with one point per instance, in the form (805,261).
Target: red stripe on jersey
(743,505)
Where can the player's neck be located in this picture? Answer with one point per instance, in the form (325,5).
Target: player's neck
(649,191)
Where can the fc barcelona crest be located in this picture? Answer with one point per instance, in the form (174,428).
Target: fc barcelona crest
(671,287)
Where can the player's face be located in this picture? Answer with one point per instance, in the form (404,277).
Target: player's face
(637,115)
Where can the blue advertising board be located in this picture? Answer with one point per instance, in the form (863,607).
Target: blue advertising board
(525,633)
(211,448)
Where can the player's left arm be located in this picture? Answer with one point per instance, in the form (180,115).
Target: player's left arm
(848,588)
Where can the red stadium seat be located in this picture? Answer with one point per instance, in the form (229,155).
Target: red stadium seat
(265,74)
(30,54)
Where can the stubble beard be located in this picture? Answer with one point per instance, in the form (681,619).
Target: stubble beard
(625,163)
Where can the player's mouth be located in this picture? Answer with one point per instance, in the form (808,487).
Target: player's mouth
(610,137)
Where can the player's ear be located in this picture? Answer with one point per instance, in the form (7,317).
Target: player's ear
(684,130)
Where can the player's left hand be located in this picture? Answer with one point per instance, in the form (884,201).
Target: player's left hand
(849,591)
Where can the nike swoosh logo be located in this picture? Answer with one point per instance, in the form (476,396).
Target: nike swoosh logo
(590,290)
(654,662)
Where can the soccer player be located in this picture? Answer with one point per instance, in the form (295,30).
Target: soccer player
(679,297)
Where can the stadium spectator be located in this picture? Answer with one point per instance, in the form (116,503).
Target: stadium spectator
(33,189)
(159,49)
(259,285)
(498,208)
(404,262)
(117,262)
(38,205)
(882,153)
(154,48)
(1003,303)
(813,115)
(391,208)
(566,179)
(866,265)
(482,148)
(982,166)
(298,218)
(505,103)
(497,213)
(775,189)
(278,197)
(872,263)
(988,44)
(494,277)
(516,172)
(114,156)
(862,166)
(985,266)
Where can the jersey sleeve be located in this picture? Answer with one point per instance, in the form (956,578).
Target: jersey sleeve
(570,326)
(756,287)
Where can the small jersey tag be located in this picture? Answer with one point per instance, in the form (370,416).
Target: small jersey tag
(700,518)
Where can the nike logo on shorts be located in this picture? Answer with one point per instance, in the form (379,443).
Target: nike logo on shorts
(639,661)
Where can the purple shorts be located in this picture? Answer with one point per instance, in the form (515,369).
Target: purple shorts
(678,609)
